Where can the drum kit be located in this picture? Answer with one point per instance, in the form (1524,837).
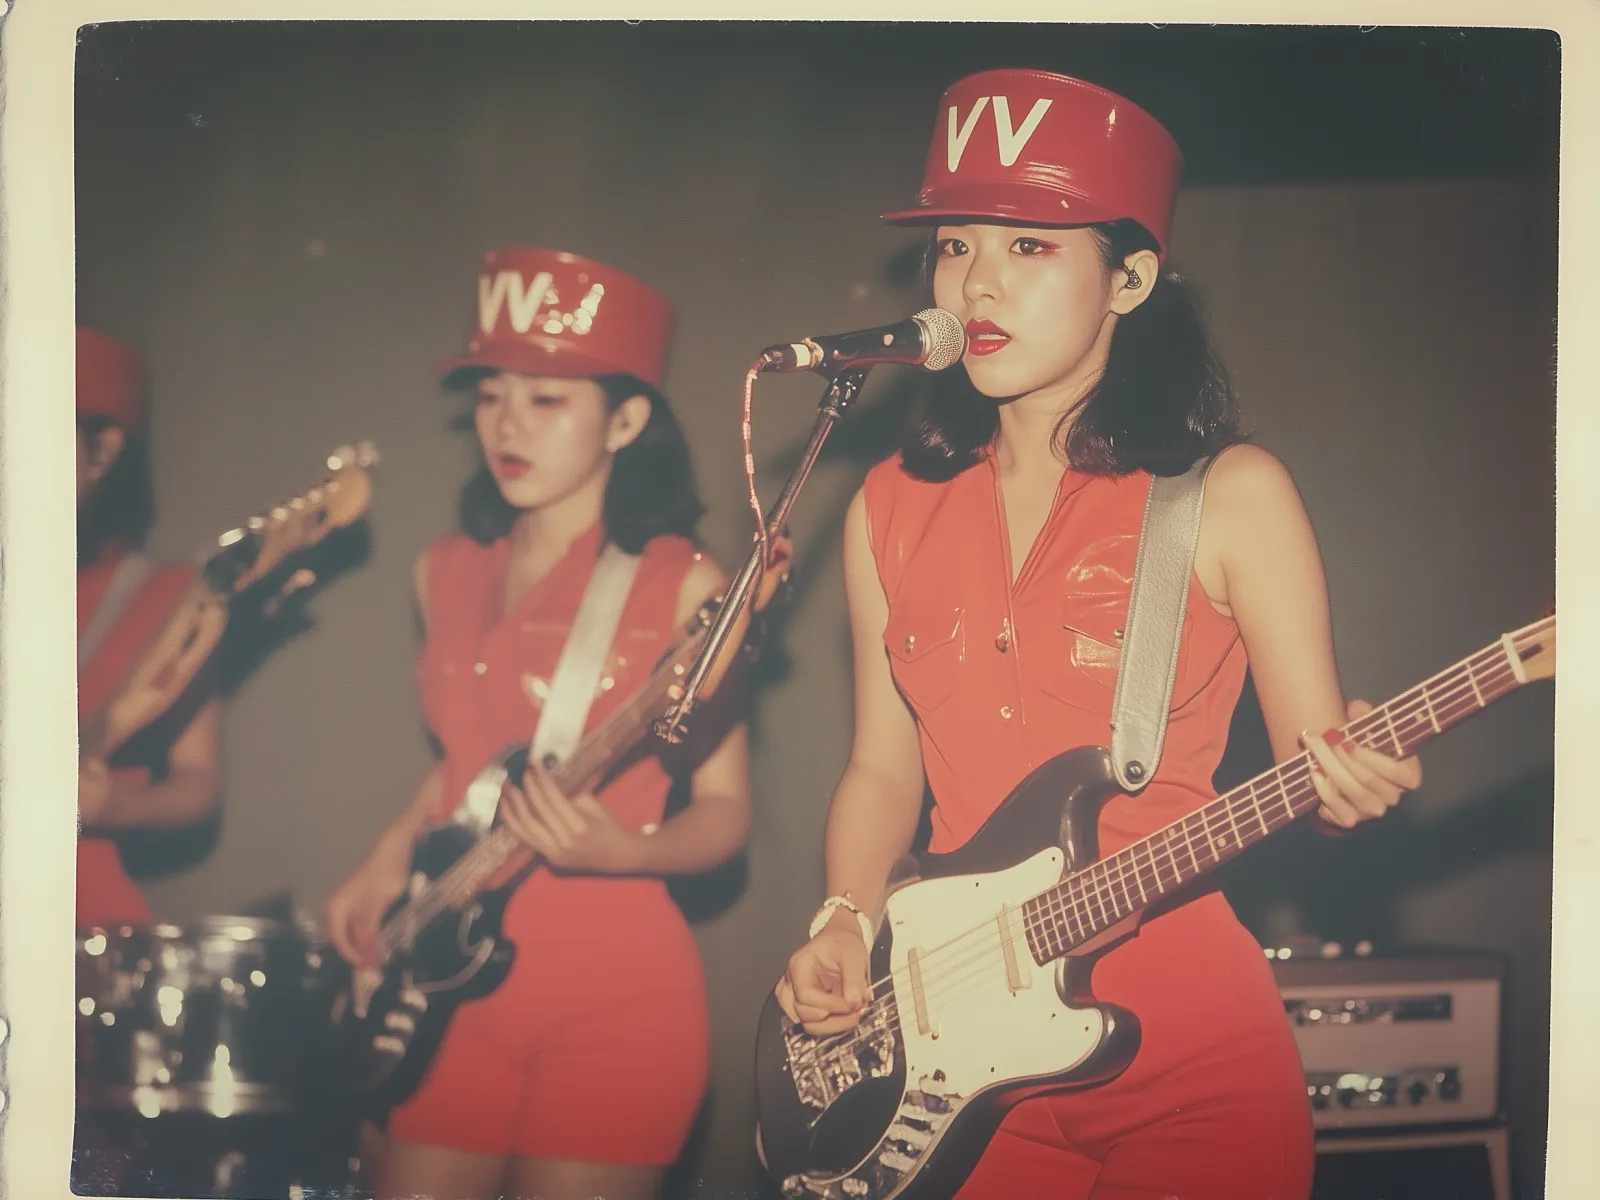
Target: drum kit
(204,1063)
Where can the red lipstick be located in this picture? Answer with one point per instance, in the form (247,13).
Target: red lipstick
(509,466)
(985,337)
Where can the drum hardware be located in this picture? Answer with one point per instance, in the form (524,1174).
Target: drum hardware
(203,1061)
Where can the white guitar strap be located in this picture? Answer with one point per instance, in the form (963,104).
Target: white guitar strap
(583,657)
(125,580)
(1156,604)
(573,687)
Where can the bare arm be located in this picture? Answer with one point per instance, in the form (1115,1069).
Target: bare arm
(187,794)
(716,822)
(875,808)
(403,831)
(873,817)
(355,908)
(1257,538)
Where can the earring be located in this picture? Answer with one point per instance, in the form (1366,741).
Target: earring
(1134,281)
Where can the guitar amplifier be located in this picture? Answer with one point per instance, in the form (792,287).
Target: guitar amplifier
(1395,1041)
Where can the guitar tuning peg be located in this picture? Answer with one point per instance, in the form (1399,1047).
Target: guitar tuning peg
(232,537)
(366,454)
(298,503)
(256,524)
(280,513)
(340,458)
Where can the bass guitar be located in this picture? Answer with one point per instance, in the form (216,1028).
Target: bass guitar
(980,967)
(441,943)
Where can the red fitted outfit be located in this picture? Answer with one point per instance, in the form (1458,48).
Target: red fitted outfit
(107,896)
(596,1048)
(1002,679)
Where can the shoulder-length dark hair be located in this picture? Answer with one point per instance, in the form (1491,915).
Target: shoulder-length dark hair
(122,505)
(1162,403)
(651,491)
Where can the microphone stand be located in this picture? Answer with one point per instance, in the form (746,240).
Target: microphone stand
(841,393)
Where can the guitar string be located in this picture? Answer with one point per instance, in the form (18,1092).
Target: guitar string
(1215,816)
(455,884)
(1076,885)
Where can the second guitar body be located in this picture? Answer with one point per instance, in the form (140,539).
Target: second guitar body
(459,955)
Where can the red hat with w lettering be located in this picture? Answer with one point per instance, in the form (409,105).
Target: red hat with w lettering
(548,312)
(1032,148)
(110,380)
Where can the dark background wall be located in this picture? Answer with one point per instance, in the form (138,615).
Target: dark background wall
(286,219)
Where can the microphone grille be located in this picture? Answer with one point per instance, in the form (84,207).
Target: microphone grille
(947,340)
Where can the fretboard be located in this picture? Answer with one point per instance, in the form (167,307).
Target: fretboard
(1093,900)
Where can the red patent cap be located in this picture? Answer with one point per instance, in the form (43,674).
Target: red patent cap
(110,380)
(1041,149)
(548,312)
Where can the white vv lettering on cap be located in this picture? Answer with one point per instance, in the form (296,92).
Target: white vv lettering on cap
(507,288)
(1011,141)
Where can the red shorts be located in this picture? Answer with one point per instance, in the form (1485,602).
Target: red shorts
(1214,1104)
(583,1054)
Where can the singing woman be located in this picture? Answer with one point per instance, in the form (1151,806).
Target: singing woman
(1087,372)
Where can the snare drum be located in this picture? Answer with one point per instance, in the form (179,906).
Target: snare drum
(223,1015)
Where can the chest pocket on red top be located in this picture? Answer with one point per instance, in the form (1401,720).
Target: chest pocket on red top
(927,645)
(1094,635)
(1092,619)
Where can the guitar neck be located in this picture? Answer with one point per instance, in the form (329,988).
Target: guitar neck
(1094,900)
(605,746)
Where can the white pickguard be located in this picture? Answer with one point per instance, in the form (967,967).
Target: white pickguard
(985,1015)
(974,1011)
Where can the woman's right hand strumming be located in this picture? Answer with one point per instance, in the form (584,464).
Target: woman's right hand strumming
(355,910)
(827,984)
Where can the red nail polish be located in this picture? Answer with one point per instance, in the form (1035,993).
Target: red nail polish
(1334,738)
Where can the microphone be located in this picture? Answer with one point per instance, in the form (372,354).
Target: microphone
(933,339)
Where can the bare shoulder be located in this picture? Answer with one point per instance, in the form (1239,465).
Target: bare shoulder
(1254,521)
(1250,490)
(1247,474)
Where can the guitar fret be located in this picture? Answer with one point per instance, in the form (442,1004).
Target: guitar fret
(1055,919)
(1138,878)
(1114,878)
(1045,926)
(1427,706)
(1093,899)
(1233,820)
(1205,827)
(1394,737)
(1169,839)
(1261,815)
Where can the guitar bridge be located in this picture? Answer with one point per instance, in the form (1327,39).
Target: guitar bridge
(823,1069)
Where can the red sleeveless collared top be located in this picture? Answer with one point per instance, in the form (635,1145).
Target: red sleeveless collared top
(482,676)
(107,895)
(1004,677)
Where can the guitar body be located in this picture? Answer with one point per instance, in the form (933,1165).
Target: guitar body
(388,1040)
(906,1109)
(983,956)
